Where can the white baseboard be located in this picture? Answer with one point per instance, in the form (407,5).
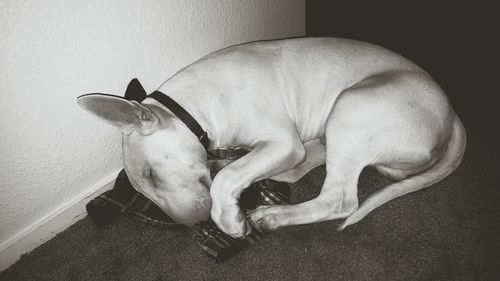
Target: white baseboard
(51,224)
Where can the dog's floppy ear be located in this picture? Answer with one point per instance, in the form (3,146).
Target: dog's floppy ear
(135,91)
(126,115)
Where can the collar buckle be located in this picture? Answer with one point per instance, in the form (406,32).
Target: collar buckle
(204,139)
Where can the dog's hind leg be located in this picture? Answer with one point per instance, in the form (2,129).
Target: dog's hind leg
(337,199)
(346,156)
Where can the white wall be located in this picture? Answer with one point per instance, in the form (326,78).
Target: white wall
(51,151)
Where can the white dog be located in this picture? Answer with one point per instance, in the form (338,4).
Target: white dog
(296,104)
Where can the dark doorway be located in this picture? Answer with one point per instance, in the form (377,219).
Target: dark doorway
(455,43)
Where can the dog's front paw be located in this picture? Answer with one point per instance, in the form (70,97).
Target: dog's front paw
(229,218)
(266,218)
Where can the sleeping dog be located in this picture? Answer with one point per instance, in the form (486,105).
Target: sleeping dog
(295,104)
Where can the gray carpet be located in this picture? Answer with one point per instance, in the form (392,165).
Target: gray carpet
(447,232)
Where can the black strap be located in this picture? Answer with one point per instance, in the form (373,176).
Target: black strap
(182,114)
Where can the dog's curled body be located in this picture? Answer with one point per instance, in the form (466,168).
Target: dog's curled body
(296,104)
(295,79)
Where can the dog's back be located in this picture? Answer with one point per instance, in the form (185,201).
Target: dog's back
(300,77)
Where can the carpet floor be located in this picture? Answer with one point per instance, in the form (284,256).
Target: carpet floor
(448,232)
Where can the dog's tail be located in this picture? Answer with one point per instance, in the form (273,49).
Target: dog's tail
(448,163)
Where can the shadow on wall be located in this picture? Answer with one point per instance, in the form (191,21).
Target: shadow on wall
(454,43)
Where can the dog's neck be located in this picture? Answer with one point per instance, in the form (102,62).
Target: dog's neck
(204,107)
(183,116)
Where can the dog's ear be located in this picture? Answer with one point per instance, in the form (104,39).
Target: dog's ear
(135,91)
(126,115)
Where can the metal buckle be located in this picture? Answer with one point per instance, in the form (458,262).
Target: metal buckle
(204,139)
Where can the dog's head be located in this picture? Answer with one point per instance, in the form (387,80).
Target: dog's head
(163,159)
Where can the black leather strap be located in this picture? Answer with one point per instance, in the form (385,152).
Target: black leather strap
(182,114)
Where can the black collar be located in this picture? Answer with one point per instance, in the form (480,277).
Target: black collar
(182,114)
